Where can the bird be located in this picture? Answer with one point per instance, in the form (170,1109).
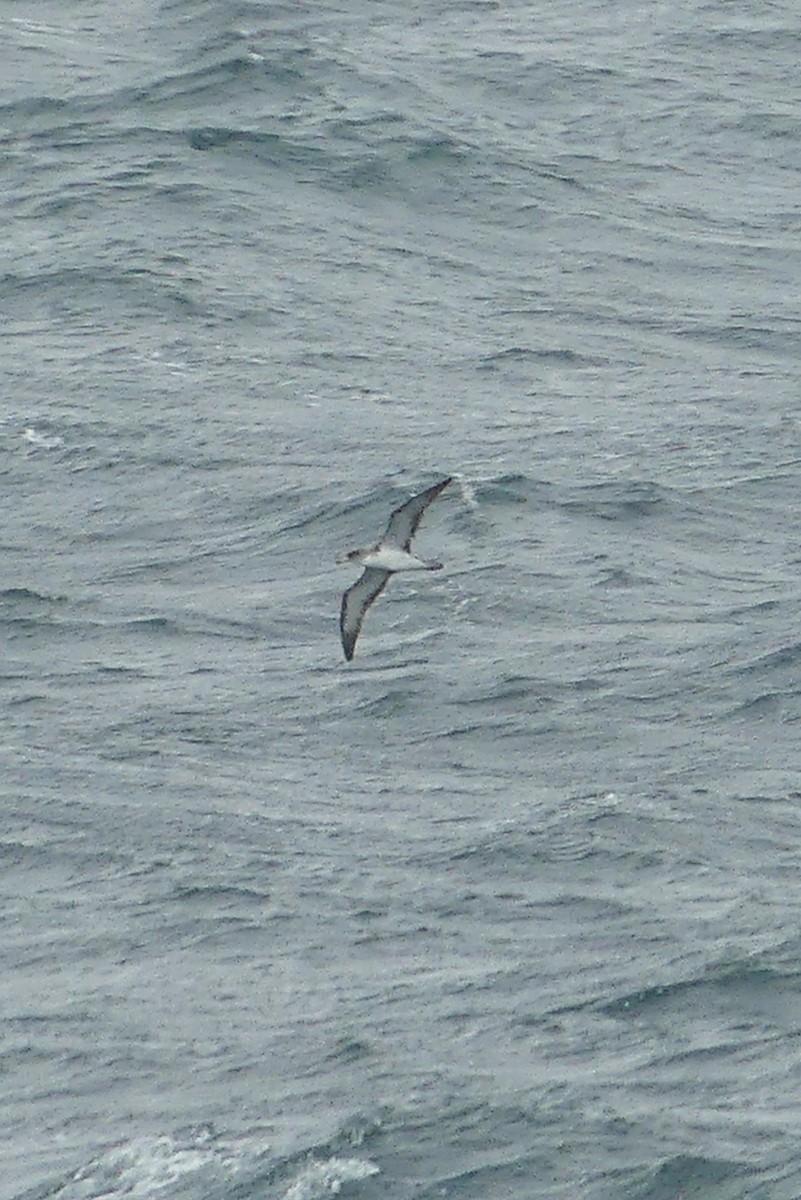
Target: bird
(387,557)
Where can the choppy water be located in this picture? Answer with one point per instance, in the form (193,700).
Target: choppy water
(508,907)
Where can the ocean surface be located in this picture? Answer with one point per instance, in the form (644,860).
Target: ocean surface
(509,907)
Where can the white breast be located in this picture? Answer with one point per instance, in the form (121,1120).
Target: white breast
(388,558)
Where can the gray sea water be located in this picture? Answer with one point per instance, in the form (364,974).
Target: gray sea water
(510,906)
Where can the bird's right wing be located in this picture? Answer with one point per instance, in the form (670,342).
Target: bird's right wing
(355,604)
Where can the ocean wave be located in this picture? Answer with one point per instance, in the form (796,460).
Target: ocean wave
(740,984)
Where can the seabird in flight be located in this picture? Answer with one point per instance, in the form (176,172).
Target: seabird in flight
(389,555)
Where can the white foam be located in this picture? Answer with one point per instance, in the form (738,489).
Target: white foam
(146,1166)
(40,440)
(468,491)
(140,1167)
(319,1179)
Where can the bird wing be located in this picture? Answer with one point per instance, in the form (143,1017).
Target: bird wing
(355,603)
(404,520)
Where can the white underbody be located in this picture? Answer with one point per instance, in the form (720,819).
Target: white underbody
(389,558)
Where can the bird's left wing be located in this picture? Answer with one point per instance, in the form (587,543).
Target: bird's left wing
(404,520)
(355,604)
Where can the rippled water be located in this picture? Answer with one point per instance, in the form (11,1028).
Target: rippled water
(509,905)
